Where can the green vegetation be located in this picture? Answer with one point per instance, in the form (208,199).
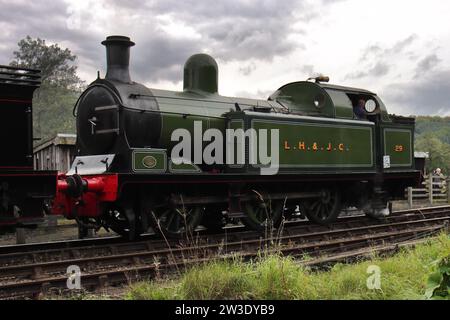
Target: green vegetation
(439,280)
(433,136)
(53,101)
(403,276)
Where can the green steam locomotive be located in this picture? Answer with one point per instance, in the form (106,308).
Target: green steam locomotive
(176,160)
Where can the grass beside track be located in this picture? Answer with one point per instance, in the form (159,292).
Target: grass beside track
(403,276)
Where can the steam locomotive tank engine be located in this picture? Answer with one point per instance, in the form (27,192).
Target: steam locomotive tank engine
(125,179)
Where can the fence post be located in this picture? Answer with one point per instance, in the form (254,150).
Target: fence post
(430,187)
(448,189)
(410,197)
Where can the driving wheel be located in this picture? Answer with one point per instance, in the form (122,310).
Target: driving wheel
(176,220)
(261,213)
(325,209)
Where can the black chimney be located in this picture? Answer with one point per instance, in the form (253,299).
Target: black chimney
(118,58)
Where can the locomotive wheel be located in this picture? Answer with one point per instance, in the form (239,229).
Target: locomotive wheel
(176,221)
(262,213)
(325,209)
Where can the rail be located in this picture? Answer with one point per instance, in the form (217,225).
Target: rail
(44,272)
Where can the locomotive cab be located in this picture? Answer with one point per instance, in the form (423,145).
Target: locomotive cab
(391,137)
(327,100)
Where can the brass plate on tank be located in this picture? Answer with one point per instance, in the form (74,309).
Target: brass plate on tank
(149,160)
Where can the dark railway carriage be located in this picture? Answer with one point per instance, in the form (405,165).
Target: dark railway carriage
(22,190)
(125,178)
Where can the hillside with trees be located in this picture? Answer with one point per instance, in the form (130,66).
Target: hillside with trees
(433,136)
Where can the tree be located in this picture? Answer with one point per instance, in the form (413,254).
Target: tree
(439,152)
(54,100)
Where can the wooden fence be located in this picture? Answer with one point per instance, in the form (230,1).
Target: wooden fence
(434,190)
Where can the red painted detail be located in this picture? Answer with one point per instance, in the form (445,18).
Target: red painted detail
(61,184)
(106,186)
(95,184)
(16,101)
(100,189)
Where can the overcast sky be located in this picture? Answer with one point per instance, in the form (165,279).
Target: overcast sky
(399,49)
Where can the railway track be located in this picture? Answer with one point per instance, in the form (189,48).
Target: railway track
(28,273)
(113,240)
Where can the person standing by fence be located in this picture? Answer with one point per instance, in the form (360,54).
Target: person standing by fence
(440,179)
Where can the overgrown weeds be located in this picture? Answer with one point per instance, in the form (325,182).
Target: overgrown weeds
(271,276)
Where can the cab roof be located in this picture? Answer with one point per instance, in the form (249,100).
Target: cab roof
(344,88)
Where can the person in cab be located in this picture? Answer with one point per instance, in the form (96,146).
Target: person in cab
(359,110)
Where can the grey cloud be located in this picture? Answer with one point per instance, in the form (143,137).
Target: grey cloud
(402,44)
(427,64)
(356,75)
(160,58)
(374,57)
(370,51)
(412,55)
(423,97)
(332,1)
(248,69)
(233,30)
(47,21)
(260,94)
(307,69)
(246,39)
(379,69)
(229,30)
(237,30)
(379,52)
